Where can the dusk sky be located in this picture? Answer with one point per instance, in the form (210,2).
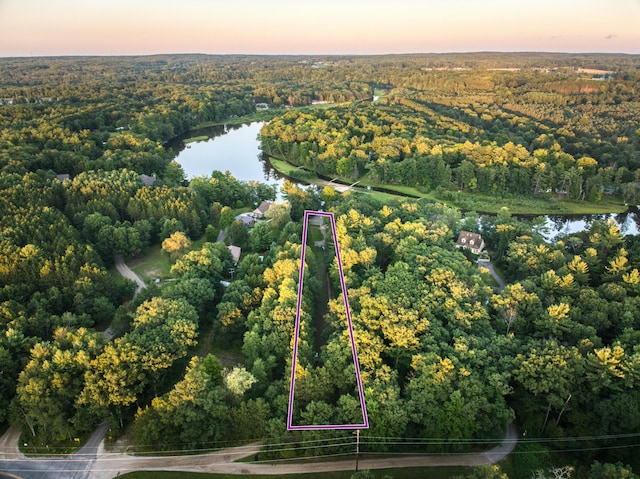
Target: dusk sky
(126,27)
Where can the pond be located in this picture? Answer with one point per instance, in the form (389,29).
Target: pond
(237,149)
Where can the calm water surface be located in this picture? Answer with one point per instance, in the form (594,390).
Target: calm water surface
(560,225)
(235,149)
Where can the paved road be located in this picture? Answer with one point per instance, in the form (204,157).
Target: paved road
(93,462)
(499,280)
(109,464)
(75,466)
(125,271)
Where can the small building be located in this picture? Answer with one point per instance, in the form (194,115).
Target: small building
(64,177)
(246,219)
(261,210)
(235,252)
(470,241)
(261,106)
(148,180)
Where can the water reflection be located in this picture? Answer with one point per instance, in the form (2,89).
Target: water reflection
(228,148)
(561,225)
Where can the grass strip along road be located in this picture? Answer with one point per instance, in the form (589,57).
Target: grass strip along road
(94,462)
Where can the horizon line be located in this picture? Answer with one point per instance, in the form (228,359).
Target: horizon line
(416,53)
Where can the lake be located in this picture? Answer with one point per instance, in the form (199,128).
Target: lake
(237,149)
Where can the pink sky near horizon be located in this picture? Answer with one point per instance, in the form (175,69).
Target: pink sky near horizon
(120,27)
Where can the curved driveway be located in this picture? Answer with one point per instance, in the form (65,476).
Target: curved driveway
(125,271)
(492,271)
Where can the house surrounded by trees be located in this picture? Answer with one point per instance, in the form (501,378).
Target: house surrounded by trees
(261,210)
(471,241)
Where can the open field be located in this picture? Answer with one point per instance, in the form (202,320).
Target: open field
(264,115)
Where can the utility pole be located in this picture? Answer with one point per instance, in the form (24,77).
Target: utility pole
(357,447)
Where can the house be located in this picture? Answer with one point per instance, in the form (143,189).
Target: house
(246,219)
(470,241)
(64,177)
(260,211)
(235,252)
(148,180)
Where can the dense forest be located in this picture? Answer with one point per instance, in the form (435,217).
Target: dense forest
(202,360)
(548,132)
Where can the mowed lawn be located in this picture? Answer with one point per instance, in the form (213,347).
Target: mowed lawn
(405,473)
(155,263)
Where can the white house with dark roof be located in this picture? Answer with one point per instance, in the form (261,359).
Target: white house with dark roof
(470,241)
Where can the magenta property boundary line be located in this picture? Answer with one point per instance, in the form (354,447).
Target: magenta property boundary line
(365,419)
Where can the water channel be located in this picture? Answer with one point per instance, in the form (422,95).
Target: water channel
(237,149)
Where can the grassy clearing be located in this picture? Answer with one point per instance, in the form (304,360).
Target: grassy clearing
(264,115)
(381,94)
(404,190)
(197,244)
(196,138)
(284,167)
(405,473)
(322,300)
(314,235)
(517,205)
(532,206)
(228,356)
(32,447)
(154,264)
(379,196)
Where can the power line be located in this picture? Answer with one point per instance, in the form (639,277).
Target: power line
(441,441)
(325,456)
(118,456)
(227,444)
(311,444)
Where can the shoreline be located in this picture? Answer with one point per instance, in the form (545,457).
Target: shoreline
(548,207)
(483,204)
